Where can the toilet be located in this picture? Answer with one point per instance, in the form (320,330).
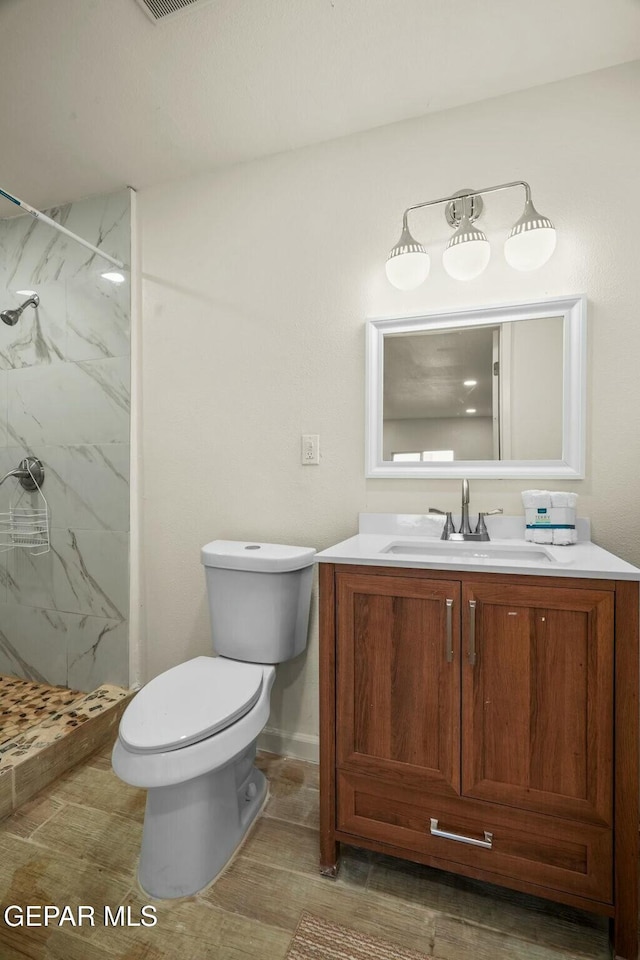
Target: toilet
(189,736)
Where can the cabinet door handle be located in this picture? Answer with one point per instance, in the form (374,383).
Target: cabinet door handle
(435,831)
(449,604)
(472,632)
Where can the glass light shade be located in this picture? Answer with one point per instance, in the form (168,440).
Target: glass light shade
(467,253)
(531,242)
(408,263)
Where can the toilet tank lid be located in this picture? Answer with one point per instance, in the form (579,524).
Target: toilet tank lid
(256,556)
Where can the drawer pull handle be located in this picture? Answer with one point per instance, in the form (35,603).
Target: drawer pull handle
(449,604)
(472,632)
(436,832)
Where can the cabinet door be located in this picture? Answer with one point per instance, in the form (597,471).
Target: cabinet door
(537,699)
(398,679)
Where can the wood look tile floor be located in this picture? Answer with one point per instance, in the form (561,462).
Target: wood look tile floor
(77,843)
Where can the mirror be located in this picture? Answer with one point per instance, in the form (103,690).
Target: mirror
(488,392)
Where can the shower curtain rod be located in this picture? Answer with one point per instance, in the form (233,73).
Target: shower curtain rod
(37,215)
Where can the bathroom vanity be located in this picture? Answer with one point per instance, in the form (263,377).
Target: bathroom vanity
(479,711)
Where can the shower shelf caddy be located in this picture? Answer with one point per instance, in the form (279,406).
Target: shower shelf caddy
(26,527)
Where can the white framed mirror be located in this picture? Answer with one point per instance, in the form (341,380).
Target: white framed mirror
(494,392)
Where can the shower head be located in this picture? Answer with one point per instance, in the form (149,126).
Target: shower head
(11,317)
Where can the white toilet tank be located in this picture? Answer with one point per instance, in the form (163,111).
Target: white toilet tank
(259,597)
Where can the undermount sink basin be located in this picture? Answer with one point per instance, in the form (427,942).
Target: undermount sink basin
(469,551)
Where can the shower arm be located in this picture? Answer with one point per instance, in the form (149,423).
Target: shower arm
(38,215)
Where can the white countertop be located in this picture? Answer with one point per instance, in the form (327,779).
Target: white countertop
(417,532)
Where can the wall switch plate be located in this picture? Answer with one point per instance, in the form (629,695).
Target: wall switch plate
(310,455)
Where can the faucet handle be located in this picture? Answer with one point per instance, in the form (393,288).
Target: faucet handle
(448,528)
(481,527)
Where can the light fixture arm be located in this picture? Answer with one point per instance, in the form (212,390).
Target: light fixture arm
(466,196)
(38,215)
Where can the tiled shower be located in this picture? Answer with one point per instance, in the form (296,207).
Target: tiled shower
(64,398)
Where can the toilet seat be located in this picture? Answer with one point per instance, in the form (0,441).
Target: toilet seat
(189,703)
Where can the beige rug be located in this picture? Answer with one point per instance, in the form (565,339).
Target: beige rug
(317,939)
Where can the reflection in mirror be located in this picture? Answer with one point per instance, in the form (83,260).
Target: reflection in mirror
(494,392)
(478,393)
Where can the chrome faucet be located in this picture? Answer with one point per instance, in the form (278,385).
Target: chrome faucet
(464,526)
(449,531)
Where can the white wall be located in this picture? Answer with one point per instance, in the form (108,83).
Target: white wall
(257,284)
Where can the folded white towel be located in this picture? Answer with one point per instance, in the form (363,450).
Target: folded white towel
(550,516)
(564,536)
(541,535)
(563,516)
(560,498)
(536,498)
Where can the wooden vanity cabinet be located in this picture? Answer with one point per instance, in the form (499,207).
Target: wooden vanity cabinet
(486,725)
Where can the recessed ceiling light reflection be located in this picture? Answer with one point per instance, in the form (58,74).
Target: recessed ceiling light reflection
(113,276)
(469,383)
(471,410)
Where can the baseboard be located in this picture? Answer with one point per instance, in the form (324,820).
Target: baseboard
(302,746)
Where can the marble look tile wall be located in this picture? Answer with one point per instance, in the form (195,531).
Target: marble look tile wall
(64,397)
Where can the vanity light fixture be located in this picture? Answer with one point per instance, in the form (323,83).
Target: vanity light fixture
(408,263)
(529,245)
(467,253)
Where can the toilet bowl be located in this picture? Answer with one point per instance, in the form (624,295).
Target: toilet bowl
(203,795)
(189,736)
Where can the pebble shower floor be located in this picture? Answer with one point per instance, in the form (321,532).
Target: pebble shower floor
(34,716)
(25,703)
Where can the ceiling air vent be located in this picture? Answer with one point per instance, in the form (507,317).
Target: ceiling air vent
(163,9)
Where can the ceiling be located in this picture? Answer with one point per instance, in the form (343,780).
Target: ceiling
(96,96)
(424,374)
